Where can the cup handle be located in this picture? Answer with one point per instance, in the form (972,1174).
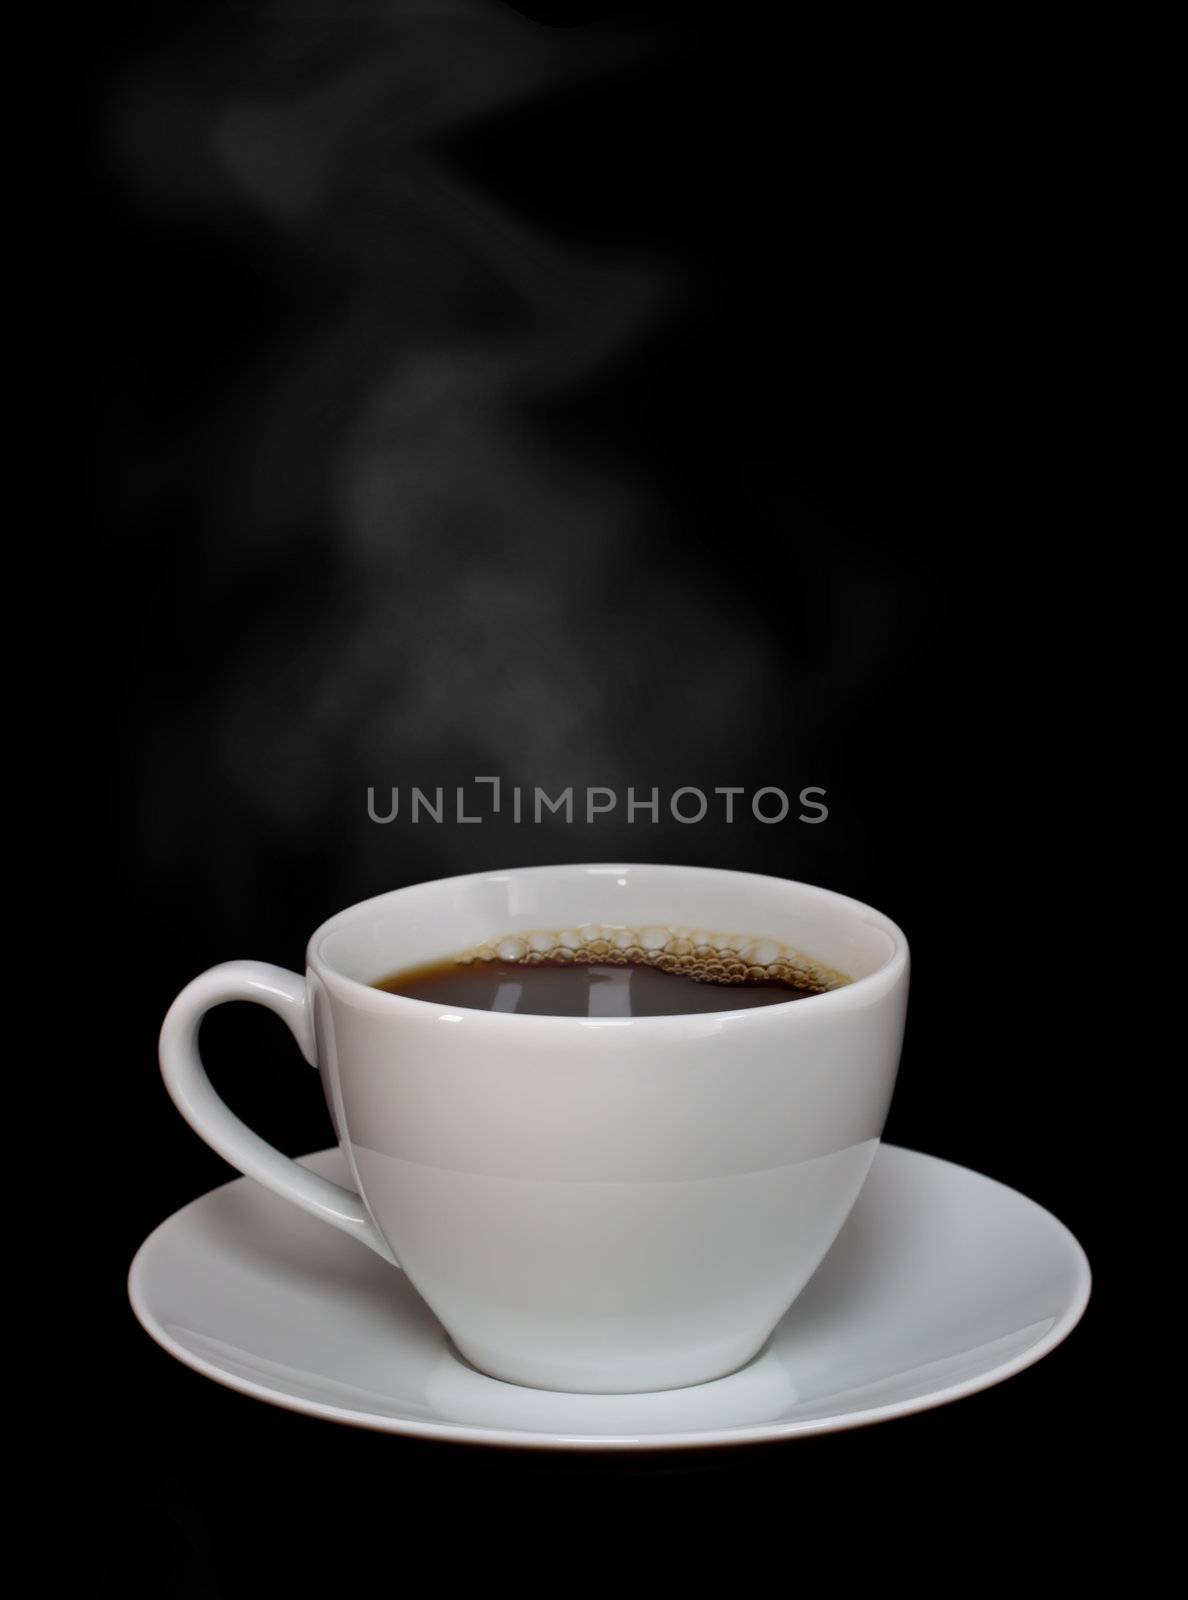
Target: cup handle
(185,1077)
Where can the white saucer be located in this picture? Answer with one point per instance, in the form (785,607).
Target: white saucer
(942,1283)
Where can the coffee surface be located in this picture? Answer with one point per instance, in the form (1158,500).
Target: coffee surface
(594,989)
(617,972)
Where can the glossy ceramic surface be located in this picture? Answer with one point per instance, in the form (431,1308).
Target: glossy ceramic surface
(608,1204)
(941,1283)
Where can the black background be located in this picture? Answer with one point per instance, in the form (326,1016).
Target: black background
(614,397)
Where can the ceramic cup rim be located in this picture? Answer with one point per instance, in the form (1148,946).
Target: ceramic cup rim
(857,992)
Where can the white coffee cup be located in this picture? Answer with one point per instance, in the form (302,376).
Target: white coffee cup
(593,1204)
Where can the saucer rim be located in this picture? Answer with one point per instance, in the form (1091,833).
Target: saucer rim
(702,1439)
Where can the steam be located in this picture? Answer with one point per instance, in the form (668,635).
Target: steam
(448,583)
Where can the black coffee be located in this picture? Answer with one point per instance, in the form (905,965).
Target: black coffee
(597,977)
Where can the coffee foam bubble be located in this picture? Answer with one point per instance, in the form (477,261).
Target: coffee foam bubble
(697,953)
